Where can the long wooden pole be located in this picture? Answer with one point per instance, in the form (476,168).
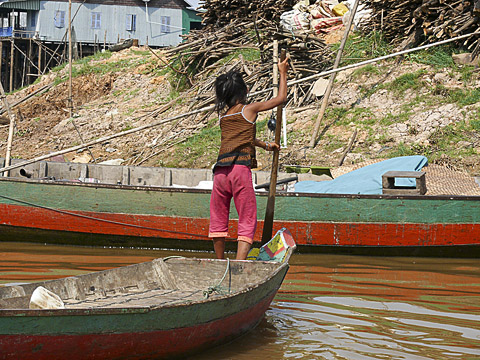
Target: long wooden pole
(1,59)
(326,97)
(105,138)
(366,62)
(40,72)
(70,79)
(269,211)
(39,91)
(70,100)
(10,129)
(12,61)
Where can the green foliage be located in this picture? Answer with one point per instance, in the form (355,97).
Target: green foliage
(95,57)
(248,54)
(412,81)
(363,116)
(127,127)
(102,68)
(464,97)
(117,92)
(205,143)
(390,118)
(357,115)
(336,115)
(466,72)
(140,52)
(475,121)
(366,70)
(363,47)
(22,132)
(59,67)
(130,112)
(403,149)
(332,143)
(437,56)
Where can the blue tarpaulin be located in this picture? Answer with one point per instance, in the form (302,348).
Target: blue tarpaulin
(366,180)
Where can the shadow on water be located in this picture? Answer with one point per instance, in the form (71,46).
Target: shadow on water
(329,306)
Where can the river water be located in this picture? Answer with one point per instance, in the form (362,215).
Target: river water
(329,306)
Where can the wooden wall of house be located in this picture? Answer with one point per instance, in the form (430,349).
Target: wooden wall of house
(112,26)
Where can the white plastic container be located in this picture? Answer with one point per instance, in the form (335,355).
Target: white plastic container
(45,299)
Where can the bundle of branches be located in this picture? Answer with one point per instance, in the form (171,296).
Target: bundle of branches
(219,13)
(411,23)
(242,46)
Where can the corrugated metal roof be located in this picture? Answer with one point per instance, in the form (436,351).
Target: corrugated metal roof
(21,5)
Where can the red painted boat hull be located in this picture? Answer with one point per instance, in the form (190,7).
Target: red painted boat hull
(158,217)
(309,233)
(143,345)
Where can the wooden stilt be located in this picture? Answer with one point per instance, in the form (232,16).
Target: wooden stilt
(39,59)
(29,62)
(24,72)
(12,53)
(1,62)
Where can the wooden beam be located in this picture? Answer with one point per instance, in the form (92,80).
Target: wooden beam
(12,60)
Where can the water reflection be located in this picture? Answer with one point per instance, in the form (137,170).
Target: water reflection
(339,307)
(329,307)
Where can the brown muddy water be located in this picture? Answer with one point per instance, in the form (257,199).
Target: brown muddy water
(329,306)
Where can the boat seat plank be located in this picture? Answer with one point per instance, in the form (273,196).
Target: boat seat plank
(164,274)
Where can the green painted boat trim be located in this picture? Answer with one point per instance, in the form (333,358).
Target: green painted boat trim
(288,206)
(124,320)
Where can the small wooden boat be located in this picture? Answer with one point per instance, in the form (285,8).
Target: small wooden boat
(163,308)
(114,205)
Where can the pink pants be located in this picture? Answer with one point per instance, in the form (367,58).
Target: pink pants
(233,181)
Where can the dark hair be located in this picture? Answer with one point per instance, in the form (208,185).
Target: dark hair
(230,89)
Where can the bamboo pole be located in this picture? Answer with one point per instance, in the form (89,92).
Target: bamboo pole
(70,84)
(366,62)
(29,64)
(39,91)
(12,60)
(39,59)
(270,209)
(1,59)
(10,129)
(65,34)
(326,97)
(70,101)
(349,147)
(105,138)
(23,53)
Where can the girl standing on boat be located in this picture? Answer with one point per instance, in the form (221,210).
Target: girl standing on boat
(232,172)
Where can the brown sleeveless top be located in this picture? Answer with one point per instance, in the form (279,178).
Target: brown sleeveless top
(238,139)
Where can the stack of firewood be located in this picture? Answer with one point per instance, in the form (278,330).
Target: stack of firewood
(207,53)
(219,13)
(411,23)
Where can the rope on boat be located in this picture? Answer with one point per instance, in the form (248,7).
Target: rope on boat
(217,288)
(105,220)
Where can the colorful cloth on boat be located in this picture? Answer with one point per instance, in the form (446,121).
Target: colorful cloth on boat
(275,250)
(238,139)
(233,181)
(366,180)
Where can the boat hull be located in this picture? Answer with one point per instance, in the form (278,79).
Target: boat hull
(160,216)
(136,333)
